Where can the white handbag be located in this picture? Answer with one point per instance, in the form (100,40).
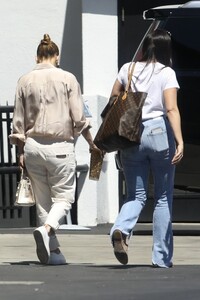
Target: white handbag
(24,192)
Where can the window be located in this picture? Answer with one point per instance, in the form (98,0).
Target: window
(185,42)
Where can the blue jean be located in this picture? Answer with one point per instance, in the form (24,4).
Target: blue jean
(153,154)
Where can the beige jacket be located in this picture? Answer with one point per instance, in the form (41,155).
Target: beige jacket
(48,103)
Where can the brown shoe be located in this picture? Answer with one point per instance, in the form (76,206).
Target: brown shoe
(120,246)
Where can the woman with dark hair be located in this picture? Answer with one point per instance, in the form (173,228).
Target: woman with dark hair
(48,115)
(160,150)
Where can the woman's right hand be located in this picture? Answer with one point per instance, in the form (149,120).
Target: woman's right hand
(21,161)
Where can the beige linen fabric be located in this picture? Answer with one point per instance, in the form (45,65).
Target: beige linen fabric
(48,103)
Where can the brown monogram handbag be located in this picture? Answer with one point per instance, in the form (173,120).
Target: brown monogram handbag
(121,125)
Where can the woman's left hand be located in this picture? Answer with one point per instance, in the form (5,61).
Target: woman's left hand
(93,147)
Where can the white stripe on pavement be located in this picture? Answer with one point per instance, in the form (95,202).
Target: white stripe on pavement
(20,282)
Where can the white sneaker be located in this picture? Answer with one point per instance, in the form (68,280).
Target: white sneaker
(57,259)
(42,244)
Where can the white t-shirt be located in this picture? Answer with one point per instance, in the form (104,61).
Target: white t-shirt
(153,79)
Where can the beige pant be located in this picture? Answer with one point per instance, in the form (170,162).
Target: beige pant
(51,166)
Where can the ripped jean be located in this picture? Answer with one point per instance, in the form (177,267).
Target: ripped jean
(154,154)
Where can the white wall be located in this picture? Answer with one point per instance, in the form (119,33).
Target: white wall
(98,200)
(87,24)
(100,46)
(23,23)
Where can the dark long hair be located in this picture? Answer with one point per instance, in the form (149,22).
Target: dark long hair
(157,47)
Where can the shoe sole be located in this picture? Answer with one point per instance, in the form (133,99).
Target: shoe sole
(60,260)
(41,250)
(157,266)
(119,251)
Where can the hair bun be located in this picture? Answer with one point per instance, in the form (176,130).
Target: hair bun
(46,48)
(46,40)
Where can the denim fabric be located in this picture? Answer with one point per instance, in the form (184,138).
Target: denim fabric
(154,155)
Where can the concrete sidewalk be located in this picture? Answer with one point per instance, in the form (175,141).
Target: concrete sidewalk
(93,272)
(93,246)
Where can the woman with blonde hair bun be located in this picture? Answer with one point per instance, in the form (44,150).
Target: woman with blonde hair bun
(48,115)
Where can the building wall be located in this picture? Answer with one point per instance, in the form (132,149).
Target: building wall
(23,23)
(100,46)
(86,33)
(99,200)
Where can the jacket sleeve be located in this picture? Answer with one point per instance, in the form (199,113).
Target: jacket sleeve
(18,126)
(77,108)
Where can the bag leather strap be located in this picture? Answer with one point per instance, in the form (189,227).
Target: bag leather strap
(130,75)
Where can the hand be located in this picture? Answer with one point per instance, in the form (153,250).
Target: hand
(178,155)
(21,161)
(93,147)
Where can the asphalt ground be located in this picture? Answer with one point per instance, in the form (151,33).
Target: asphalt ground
(92,272)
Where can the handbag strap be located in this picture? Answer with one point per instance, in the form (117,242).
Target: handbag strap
(130,75)
(24,173)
